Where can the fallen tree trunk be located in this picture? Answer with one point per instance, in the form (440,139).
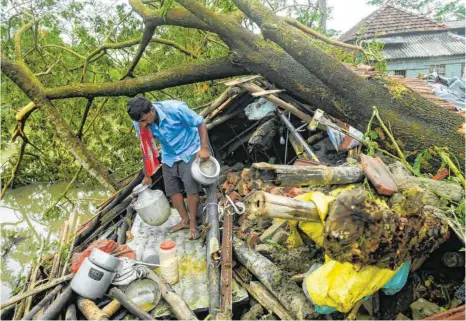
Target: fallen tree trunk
(263,204)
(286,291)
(409,114)
(265,298)
(287,175)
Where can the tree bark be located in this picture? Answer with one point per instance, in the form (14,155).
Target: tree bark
(288,175)
(77,148)
(264,204)
(215,69)
(410,115)
(286,291)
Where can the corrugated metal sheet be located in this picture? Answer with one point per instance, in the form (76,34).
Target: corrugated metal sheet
(192,261)
(424,45)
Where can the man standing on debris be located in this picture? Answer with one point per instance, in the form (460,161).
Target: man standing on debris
(183,136)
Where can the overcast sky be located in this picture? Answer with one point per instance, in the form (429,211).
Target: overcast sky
(347,13)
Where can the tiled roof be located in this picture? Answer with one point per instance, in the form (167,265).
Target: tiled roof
(418,85)
(388,20)
(423,45)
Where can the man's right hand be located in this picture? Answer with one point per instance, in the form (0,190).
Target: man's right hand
(147,180)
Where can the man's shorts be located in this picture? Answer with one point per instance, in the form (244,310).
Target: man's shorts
(179,178)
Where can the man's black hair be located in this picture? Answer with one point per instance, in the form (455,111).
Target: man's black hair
(138,107)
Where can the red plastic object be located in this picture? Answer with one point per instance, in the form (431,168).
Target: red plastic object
(167,245)
(108,246)
(149,151)
(379,175)
(441,174)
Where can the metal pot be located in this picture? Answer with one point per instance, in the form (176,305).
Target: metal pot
(151,205)
(206,173)
(95,275)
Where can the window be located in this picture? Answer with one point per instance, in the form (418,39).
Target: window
(440,69)
(462,71)
(400,73)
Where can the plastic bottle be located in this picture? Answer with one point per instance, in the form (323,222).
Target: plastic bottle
(169,262)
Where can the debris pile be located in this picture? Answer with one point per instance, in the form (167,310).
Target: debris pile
(301,220)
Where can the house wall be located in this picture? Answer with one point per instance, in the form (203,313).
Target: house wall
(414,66)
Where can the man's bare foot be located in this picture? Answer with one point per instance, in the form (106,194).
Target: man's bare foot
(193,234)
(180,226)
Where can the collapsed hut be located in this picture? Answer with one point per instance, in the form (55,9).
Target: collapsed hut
(254,254)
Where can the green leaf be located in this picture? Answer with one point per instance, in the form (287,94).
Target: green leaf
(418,161)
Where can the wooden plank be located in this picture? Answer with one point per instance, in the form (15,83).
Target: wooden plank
(242,80)
(267,92)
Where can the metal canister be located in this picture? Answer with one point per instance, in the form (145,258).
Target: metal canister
(95,274)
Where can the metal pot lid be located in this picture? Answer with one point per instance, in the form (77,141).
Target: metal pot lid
(140,188)
(104,260)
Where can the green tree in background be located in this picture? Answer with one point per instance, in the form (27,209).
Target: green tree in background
(439,10)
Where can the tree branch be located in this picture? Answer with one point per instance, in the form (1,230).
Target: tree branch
(83,120)
(15,170)
(146,38)
(95,168)
(64,48)
(295,23)
(179,17)
(215,69)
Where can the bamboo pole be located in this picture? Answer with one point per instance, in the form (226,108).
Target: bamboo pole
(20,307)
(39,289)
(90,310)
(57,306)
(178,306)
(129,304)
(217,102)
(71,312)
(220,108)
(262,204)
(56,261)
(70,251)
(34,277)
(42,303)
(213,245)
(277,101)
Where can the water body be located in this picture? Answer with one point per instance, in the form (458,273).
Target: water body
(24,227)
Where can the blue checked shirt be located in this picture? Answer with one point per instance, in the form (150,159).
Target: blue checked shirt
(177,131)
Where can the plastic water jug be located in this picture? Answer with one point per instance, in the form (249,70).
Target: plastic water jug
(151,205)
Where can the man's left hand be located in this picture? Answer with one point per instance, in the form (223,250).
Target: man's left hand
(204,154)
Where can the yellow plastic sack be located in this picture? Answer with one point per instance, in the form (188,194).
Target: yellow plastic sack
(340,286)
(315,230)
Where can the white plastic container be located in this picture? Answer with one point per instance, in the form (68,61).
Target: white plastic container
(168,262)
(151,205)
